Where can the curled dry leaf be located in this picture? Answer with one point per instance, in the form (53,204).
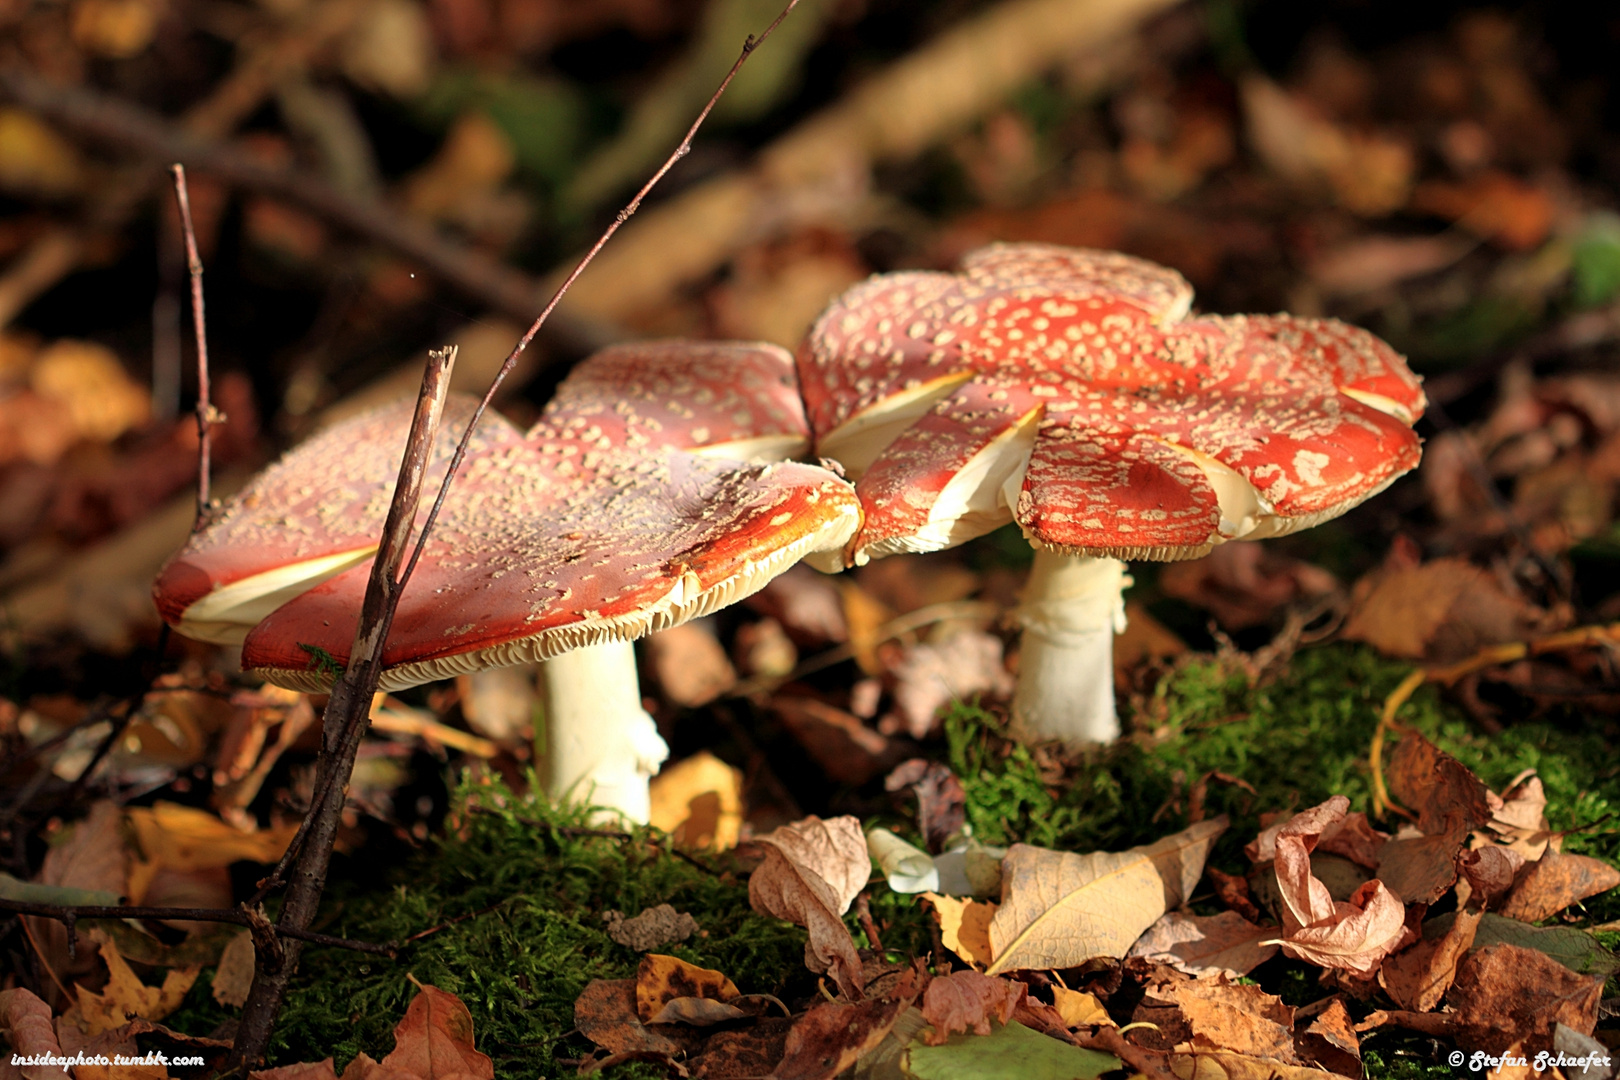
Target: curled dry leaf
(941,802)
(1353,935)
(25,1022)
(813,869)
(1419,977)
(1330,1041)
(1226,1017)
(1519,819)
(931,675)
(1078,1008)
(1059,910)
(1225,944)
(1554,882)
(968,1001)
(1489,872)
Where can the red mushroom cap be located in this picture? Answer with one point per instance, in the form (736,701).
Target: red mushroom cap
(616,515)
(313,514)
(1073,381)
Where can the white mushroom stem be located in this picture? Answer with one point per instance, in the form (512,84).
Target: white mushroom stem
(596,744)
(1071,609)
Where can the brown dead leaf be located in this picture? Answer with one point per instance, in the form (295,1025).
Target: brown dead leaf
(1519,818)
(1233,1018)
(661,979)
(435,1040)
(1368,173)
(832,1036)
(1331,1041)
(1244,585)
(940,798)
(25,1023)
(306,1070)
(1493,205)
(964,926)
(1223,1066)
(1372,263)
(500,703)
(1352,837)
(1554,882)
(732,1055)
(605,1013)
(91,856)
(1505,994)
(698,801)
(1419,977)
(234,976)
(847,750)
(968,1001)
(1419,869)
(689,664)
(1488,872)
(931,675)
(806,603)
(1200,945)
(813,869)
(1059,909)
(243,760)
(1445,794)
(1353,935)
(1233,891)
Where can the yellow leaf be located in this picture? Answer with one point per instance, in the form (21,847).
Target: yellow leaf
(964,926)
(1079,1009)
(177,837)
(1059,909)
(698,801)
(661,979)
(125,997)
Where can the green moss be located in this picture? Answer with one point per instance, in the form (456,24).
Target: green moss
(520,964)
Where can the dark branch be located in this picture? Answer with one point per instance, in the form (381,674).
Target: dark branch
(70,914)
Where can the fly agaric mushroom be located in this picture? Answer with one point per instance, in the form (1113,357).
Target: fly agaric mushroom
(1069,391)
(626,509)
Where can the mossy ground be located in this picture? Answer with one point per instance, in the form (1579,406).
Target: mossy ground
(531,892)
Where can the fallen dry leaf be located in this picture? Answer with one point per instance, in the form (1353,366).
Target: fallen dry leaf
(1354,935)
(1079,1008)
(1554,882)
(1418,977)
(435,1040)
(25,1022)
(806,603)
(1222,1066)
(941,802)
(92,856)
(1488,873)
(689,664)
(1493,205)
(1352,837)
(605,1013)
(847,750)
(1505,994)
(662,979)
(1330,1040)
(698,801)
(1441,610)
(968,1001)
(754,1051)
(964,926)
(1206,944)
(234,976)
(1519,819)
(931,675)
(174,837)
(1223,1016)
(813,869)
(500,703)
(1444,792)
(126,997)
(1059,909)
(832,1036)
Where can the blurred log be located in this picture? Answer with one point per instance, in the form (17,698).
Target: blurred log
(821,170)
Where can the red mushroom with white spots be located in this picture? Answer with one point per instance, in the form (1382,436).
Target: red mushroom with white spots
(1070,391)
(634,504)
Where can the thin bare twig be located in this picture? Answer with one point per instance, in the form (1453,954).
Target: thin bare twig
(70,914)
(207,416)
(624,215)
